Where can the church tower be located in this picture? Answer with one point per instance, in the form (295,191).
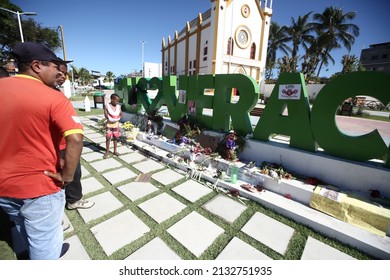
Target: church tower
(230,37)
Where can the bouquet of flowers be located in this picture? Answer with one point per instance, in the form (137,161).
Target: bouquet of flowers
(231,145)
(127,126)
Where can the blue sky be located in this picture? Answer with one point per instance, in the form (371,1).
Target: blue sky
(106,35)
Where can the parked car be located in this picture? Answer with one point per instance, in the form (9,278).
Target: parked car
(101,87)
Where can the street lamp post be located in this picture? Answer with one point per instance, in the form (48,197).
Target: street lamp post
(18,14)
(72,88)
(61,29)
(142,57)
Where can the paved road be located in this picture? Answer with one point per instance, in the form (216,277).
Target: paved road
(360,126)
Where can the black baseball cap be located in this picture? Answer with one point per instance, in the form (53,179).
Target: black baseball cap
(61,61)
(29,51)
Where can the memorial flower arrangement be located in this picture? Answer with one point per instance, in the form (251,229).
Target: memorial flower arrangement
(128,126)
(153,121)
(153,116)
(129,131)
(187,132)
(276,171)
(313,181)
(230,146)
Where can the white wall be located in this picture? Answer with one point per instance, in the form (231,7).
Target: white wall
(152,69)
(346,174)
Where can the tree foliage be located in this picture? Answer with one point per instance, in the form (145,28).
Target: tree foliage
(299,33)
(277,41)
(311,42)
(84,76)
(110,76)
(32,31)
(334,31)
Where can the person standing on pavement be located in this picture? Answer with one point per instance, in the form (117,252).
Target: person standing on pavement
(113,113)
(74,190)
(32,125)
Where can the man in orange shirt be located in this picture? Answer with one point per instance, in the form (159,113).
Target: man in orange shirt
(33,124)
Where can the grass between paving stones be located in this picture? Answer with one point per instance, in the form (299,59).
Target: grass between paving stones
(294,250)
(94,111)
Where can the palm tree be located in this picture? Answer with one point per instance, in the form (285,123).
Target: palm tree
(287,64)
(320,56)
(277,41)
(350,64)
(110,76)
(334,31)
(299,33)
(84,76)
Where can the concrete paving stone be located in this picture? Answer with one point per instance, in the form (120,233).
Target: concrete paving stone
(89,123)
(90,148)
(84,172)
(119,175)
(154,250)
(148,166)
(104,204)
(123,149)
(66,220)
(93,136)
(225,208)
(92,133)
(195,232)
(192,190)
(89,157)
(86,142)
(268,231)
(105,164)
(119,231)
(90,185)
(99,140)
(88,130)
(85,125)
(94,126)
(167,177)
(133,157)
(95,117)
(137,190)
(162,207)
(76,250)
(240,250)
(316,250)
(84,118)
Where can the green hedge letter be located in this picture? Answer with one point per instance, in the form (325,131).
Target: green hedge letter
(289,93)
(323,121)
(224,109)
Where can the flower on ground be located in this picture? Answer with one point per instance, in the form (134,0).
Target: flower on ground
(127,126)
